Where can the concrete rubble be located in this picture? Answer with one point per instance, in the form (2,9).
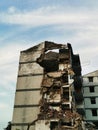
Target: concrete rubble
(57,105)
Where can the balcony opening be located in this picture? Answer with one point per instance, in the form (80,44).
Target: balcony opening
(93,100)
(94,112)
(92,89)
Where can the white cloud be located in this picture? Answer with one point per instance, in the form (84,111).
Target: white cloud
(3,106)
(47,16)
(5,112)
(3,94)
(12,9)
(8,65)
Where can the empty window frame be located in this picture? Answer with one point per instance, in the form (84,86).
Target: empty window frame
(90,79)
(65,107)
(66,123)
(66,93)
(92,89)
(94,112)
(53,125)
(93,100)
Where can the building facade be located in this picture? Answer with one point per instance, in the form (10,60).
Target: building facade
(90,92)
(49,89)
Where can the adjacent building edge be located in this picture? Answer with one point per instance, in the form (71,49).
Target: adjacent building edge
(49,92)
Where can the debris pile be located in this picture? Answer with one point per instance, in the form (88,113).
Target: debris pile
(58,90)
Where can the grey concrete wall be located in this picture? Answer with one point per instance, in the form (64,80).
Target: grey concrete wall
(29,99)
(31,82)
(23,127)
(41,124)
(29,56)
(27,96)
(25,115)
(87,92)
(89,116)
(87,83)
(88,95)
(88,104)
(30,68)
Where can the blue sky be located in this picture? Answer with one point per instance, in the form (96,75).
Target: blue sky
(24,23)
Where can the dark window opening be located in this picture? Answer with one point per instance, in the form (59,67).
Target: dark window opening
(92,89)
(65,61)
(53,125)
(66,123)
(65,77)
(90,79)
(56,88)
(93,100)
(66,93)
(65,107)
(54,104)
(94,112)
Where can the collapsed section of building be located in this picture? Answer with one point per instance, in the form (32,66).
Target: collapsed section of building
(49,89)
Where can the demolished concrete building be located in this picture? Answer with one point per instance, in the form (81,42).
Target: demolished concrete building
(49,89)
